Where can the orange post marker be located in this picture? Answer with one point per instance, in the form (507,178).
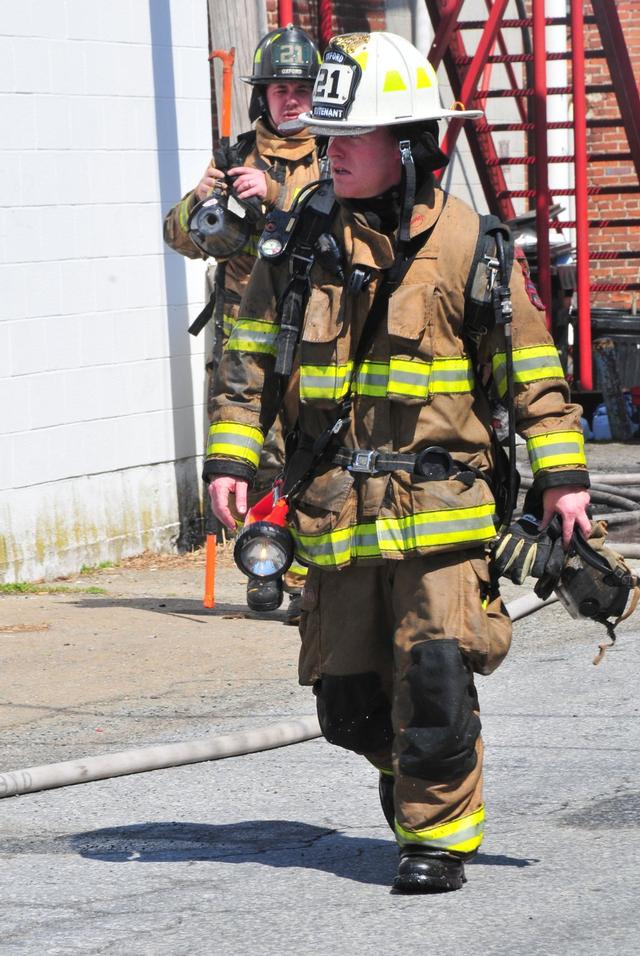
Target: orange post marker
(210,572)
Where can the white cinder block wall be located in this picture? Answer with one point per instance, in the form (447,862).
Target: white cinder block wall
(105,120)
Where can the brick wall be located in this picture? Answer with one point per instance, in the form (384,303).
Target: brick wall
(349,16)
(618,173)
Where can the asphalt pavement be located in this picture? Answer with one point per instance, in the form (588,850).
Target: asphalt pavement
(286,852)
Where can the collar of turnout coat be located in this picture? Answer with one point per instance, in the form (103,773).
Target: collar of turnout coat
(288,148)
(372,249)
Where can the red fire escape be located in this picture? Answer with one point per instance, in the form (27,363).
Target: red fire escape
(470,78)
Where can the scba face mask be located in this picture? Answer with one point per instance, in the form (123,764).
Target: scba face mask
(221,225)
(596,583)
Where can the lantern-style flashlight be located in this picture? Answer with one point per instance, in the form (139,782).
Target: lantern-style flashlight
(264,546)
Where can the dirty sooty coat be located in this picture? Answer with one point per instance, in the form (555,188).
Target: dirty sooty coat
(290,163)
(418,387)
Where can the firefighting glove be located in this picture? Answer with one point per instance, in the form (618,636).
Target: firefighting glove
(523,550)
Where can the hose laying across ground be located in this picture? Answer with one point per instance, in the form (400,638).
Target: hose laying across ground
(294,731)
(601,495)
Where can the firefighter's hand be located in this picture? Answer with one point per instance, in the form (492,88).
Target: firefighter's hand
(570,503)
(524,551)
(249,181)
(209,179)
(219,491)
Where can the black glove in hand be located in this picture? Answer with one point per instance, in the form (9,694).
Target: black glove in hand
(524,550)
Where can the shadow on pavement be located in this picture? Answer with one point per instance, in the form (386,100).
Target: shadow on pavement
(179,607)
(276,843)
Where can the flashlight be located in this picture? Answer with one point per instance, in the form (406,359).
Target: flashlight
(264,546)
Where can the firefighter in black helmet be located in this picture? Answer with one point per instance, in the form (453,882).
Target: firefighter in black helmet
(268,165)
(284,54)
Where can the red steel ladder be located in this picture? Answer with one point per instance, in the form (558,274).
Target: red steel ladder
(470,78)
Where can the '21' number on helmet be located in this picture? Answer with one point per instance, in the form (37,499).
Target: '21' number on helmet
(333,84)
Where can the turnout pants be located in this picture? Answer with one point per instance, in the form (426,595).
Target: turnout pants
(390,650)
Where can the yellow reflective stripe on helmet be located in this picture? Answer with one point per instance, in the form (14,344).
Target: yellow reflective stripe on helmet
(555,449)
(235,440)
(372,379)
(184,211)
(251,336)
(463,835)
(533,364)
(393,82)
(423,80)
(324,381)
(407,377)
(432,528)
(451,375)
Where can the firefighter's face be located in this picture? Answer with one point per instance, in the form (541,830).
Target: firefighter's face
(364,166)
(286,99)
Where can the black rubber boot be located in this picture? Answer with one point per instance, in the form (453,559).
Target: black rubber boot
(264,595)
(292,614)
(423,870)
(385,792)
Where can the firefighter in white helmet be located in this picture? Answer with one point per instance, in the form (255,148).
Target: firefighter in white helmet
(391,489)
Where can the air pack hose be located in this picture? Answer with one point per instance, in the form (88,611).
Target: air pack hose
(294,731)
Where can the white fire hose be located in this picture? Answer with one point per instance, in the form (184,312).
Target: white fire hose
(104,766)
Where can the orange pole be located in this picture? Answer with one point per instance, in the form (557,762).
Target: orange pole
(210,572)
(227,58)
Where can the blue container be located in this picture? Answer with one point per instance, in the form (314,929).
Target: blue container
(600,424)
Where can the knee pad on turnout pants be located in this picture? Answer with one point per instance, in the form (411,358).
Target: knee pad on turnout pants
(354,712)
(439,741)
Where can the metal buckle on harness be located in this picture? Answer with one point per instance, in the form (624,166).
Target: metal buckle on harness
(493,266)
(306,269)
(363,462)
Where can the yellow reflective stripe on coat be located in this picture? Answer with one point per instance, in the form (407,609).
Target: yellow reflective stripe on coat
(463,835)
(429,529)
(184,211)
(396,535)
(235,440)
(327,382)
(335,548)
(409,377)
(301,570)
(250,247)
(556,449)
(412,378)
(248,335)
(228,322)
(531,364)
(451,375)
(372,379)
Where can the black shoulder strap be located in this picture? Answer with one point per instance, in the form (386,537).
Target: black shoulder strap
(314,219)
(478,300)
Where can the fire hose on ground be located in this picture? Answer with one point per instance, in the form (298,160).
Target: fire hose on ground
(282,734)
(163,756)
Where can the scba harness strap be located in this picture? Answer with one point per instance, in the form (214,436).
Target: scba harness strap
(303,235)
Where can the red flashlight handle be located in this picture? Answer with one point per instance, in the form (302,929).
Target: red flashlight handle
(266,510)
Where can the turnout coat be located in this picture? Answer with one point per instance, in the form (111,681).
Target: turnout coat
(418,387)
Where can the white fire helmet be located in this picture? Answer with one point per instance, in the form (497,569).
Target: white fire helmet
(374,79)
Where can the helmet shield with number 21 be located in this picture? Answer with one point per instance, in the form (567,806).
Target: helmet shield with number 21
(374,79)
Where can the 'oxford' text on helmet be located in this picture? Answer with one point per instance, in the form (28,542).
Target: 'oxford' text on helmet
(374,79)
